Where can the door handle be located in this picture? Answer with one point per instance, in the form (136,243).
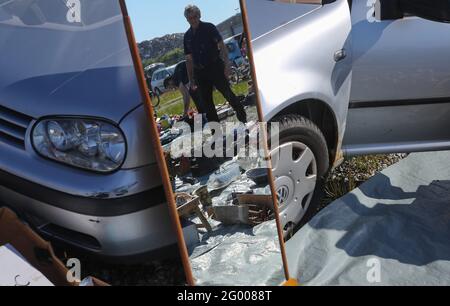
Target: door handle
(340,55)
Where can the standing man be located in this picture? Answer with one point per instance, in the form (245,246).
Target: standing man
(208,65)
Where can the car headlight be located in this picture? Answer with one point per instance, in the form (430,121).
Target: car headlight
(85,143)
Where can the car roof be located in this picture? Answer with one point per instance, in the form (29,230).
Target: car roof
(153,66)
(159,70)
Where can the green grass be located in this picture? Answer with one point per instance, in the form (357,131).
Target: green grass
(172,101)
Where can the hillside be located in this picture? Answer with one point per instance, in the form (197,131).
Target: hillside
(158,47)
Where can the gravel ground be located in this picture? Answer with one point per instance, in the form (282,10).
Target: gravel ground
(353,172)
(364,167)
(154,273)
(343,179)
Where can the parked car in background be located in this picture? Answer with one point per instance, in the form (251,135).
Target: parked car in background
(234,51)
(158,80)
(171,69)
(150,69)
(344,78)
(240,67)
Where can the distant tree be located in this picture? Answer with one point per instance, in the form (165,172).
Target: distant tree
(148,62)
(172,57)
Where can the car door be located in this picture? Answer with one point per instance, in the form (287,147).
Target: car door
(156,80)
(400,97)
(164,76)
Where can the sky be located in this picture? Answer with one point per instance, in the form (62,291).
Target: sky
(156,18)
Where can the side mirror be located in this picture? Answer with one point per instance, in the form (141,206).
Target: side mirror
(436,10)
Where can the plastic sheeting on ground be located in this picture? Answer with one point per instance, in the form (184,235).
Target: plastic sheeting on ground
(393,230)
(239,256)
(233,255)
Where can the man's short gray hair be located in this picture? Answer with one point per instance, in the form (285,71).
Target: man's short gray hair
(191,10)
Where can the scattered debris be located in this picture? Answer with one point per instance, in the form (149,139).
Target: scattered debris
(343,179)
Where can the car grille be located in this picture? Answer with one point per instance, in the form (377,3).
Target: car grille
(13,126)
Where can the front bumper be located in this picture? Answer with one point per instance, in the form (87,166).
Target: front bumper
(122,214)
(122,235)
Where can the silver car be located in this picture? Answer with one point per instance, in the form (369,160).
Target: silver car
(158,78)
(347,78)
(75,156)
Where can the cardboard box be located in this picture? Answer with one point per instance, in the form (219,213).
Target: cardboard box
(33,256)
(16,271)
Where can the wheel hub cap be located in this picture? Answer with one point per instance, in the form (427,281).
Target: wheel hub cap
(295,173)
(283,194)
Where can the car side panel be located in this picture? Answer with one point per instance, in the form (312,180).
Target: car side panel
(296,60)
(401,84)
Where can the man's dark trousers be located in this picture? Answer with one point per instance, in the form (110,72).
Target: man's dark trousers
(214,76)
(196,97)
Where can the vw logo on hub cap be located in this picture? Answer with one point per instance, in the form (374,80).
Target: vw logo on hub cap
(283,194)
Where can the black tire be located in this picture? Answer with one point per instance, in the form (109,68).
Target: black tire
(155,99)
(297,128)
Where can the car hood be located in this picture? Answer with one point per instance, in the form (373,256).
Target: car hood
(109,92)
(52,65)
(265,16)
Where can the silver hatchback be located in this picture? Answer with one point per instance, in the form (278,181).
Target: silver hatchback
(75,156)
